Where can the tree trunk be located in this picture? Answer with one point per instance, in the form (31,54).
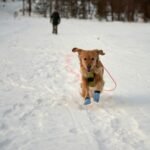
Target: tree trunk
(50,8)
(145,12)
(23,7)
(112,10)
(30,7)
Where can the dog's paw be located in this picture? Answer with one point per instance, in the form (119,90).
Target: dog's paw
(87,101)
(96,96)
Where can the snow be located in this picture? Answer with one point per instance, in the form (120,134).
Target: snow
(40,102)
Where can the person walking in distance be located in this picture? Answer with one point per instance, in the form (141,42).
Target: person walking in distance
(55,20)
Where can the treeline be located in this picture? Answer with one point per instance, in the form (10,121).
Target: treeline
(123,10)
(68,8)
(109,10)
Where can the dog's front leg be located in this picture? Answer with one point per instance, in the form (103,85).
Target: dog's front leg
(98,89)
(85,88)
(85,91)
(99,86)
(99,79)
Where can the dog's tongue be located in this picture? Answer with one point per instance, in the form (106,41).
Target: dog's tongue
(88,69)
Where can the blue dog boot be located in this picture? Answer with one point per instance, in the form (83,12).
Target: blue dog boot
(87,101)
(96,96)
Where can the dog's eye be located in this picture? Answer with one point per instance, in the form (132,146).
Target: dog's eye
(85,59)
(92,58)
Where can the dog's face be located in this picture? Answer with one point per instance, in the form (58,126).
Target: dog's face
(88,59)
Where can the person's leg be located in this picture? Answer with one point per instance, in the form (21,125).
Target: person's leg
(56,29)
(53,30)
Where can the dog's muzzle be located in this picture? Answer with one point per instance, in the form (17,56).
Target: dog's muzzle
(89,68)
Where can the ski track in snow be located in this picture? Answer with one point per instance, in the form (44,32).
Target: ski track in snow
(40,102)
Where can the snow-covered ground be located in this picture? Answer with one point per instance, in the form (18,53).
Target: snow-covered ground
(40,102)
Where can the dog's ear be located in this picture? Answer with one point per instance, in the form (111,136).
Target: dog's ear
(100,52)
(76,50)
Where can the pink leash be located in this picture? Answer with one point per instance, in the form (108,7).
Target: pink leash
(115,83)
(69,69)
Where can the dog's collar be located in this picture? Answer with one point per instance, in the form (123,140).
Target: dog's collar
(90,79)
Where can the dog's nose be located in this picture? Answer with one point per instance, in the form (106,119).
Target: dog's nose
(89,68)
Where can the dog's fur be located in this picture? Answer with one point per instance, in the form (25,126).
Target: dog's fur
(90,58)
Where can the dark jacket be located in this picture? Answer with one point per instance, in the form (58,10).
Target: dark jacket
(55,18)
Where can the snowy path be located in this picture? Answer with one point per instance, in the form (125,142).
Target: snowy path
(40,104)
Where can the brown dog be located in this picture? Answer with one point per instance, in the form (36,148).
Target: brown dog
(92,74)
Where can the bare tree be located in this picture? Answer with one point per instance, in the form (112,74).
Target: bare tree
(102,8)
(23,7)
(130,10)
(146,10)
(30,7)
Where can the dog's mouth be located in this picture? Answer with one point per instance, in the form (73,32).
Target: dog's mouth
(88,68)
